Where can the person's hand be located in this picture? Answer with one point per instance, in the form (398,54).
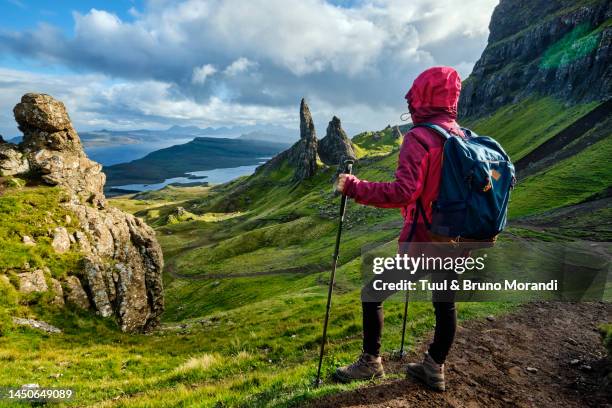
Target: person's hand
(341,182)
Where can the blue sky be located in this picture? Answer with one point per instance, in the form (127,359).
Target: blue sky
(135,64)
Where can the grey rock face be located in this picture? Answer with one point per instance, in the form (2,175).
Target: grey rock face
(303,154)
(75,295)
(61,240)
(36,324)
(32,282)
(123,262)
(98,288)
(335,147)
(58,293)
(12,161)
(542,47)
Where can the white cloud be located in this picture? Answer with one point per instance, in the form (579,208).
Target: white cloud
(206,58)
(201,73)
(239,66)
(95,101)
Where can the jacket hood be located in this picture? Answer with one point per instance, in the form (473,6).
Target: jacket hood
(434,94)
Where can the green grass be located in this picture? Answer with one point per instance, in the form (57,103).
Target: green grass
(606,334)
(35,212)
(569,182)
(258,354)
(377,143)
(523,126)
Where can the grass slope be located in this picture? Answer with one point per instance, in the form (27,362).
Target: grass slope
(231,340)
(570,181)
(523,126)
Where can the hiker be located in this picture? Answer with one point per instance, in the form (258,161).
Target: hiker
(433,99)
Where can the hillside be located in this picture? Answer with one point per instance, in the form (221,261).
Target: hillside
(202,153)
(247,262)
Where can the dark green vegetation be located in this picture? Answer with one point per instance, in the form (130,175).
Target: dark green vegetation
(202,153)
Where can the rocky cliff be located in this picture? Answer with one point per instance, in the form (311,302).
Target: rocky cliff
(561,48)
(121,266)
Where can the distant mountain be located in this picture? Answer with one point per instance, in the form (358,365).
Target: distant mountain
(104,137)
(202,153)
(268,137)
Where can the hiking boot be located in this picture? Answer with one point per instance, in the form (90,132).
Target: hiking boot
(430,372)
(366,367)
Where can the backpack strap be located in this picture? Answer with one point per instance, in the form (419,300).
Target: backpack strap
(437,128)
(443,132)
(419,210)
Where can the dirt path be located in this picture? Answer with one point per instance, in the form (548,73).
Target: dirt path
(488,365)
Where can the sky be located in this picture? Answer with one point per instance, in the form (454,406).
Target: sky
(157,63)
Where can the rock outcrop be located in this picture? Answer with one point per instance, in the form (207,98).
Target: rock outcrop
(303,154)
(122,262)
(12,161)
(558,48)
(54,151)
(30,282)
(36,324)
(75,294)
(335,147)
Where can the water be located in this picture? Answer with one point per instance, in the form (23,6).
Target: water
(215,176)
(123,153)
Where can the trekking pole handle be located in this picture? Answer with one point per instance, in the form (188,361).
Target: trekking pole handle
(348,169)
(348,165)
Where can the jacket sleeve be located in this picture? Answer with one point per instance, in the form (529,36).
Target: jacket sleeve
(408,184)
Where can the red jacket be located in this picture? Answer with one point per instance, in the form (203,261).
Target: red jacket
(432,98)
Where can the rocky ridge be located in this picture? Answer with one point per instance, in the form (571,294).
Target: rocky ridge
(562,50)
(122,261)
(305,154)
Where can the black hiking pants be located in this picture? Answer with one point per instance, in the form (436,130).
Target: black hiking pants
(444,308)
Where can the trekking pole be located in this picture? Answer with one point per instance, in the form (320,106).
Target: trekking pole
(349,169)
(401,352)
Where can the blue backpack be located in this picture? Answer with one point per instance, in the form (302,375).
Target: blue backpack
(477,177)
